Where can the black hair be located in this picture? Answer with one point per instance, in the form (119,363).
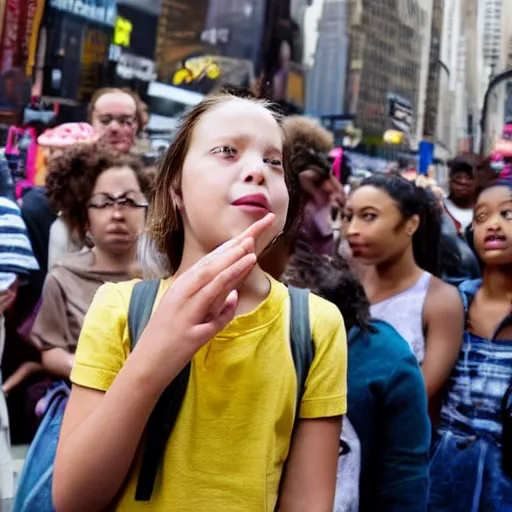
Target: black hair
(413,200)
(461,165)
(333,280)
(500,182)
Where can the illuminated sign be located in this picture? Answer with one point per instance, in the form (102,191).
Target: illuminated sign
(100,11)
(123,32)
(132,66)
(195,69)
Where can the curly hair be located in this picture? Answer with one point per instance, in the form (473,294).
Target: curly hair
(310,144)
(331,279)
(72,176)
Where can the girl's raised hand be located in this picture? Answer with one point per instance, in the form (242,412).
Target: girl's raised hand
(200,302)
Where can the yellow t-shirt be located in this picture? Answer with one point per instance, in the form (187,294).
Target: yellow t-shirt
(232,436)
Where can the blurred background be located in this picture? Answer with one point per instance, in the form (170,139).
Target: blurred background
(395,80)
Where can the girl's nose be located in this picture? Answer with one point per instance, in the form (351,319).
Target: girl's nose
(255,176)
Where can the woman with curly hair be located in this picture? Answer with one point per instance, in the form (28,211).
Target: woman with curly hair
(101,196)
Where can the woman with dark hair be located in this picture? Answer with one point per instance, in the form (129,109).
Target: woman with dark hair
(102,196)
(471,468)
(393,229)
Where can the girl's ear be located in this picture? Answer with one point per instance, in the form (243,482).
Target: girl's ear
(412,225)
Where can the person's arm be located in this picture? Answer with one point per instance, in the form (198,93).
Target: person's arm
(58,362)
(443,314)
(310,481)
(103,425)
(51,332)
(402,465)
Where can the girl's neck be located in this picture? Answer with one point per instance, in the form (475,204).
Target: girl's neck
(396,272)
(253,291)
(108,262)
(497,283)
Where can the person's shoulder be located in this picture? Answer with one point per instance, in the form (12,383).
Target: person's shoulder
(8,206)
(382,342)
(324,314)
(442,296)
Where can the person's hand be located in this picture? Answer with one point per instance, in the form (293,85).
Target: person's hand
(199,304)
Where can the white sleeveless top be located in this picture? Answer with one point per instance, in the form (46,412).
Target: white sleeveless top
(404,312)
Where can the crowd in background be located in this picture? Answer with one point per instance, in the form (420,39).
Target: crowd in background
(410,318)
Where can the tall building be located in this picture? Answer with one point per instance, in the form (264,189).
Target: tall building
(385,65)
(434,72)
(492,16)
(328,75)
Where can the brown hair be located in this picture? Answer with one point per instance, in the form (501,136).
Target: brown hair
(164,227)
(73,174)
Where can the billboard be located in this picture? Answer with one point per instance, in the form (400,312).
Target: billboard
(400,113)
(99,11)
(133,46)
(203,44)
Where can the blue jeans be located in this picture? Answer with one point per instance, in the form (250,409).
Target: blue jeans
(466,476)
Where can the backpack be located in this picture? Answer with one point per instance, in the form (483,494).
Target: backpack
(34,490)
(165,413)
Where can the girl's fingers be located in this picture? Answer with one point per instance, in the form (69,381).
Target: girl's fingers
(207,331)
(254,231)
(204,272)
(209,301)
(217,306)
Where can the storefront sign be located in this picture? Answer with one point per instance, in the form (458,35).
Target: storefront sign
(94,55)
(123,32)
(400,113)
(100,11)
(132,66)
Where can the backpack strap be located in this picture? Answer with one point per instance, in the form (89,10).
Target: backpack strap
(301,340)
(141,307)
(165,413)
(303,351)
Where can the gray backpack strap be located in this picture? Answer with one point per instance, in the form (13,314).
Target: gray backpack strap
(141,307)
(301,339)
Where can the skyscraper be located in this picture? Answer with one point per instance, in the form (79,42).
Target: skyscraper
(385,61)
(328,76)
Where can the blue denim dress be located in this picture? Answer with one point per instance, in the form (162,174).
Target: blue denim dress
(465,468)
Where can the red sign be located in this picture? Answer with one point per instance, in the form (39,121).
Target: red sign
(11,35)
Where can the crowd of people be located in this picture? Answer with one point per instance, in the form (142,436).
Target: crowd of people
(389,388)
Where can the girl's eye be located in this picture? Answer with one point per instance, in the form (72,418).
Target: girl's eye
(346,217)
(507,214)
(369,217)
(480,217)
(226,151)
(274,162)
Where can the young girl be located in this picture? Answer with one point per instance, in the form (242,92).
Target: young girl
(387,403)
(222,188)
(393,228)
(102,195)
(468,468)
